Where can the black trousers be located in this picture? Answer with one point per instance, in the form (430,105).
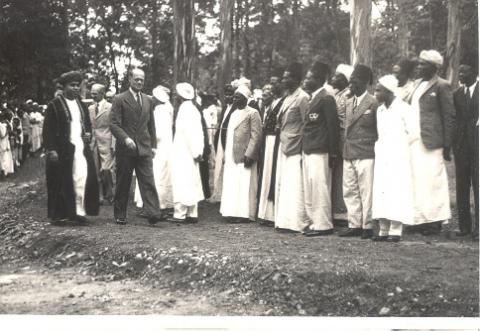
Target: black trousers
(25,147)
(144,170)
(466,169)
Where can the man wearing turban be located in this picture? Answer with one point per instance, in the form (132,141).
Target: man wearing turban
(433,130)
(71,175)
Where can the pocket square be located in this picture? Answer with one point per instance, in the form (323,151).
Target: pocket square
(368,111)
(433,94)
(313,116)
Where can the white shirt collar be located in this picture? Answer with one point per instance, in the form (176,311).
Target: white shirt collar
(133,93)
(314,94)
(360,98)
(471,88)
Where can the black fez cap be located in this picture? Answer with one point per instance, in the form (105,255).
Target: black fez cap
(363,72)
(71,76)
(320,69)
(296,70)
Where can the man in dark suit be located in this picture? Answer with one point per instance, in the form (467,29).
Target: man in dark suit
(359,154)
(465,148)
(133,126)
(320,150)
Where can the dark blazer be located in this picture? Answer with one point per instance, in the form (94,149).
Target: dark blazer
(321,129)
(360,129)
(129,120)
(466,117)
(437,114)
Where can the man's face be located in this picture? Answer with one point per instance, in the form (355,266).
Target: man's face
(97,95)
(71,90)
(228,95)
(381,93)
(425,69)
(357,86)
(239,100)
(310,83)
(287,81)
(267,94)
(137,80)
(401,76)
(465,74)
(276,85)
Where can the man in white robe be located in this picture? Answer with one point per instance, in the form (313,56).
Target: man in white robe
(188,146)
(392,202)
(242,141)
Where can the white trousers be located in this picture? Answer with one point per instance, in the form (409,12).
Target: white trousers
(79,172)
(390,228)
(317,179)
(266,208)
(181,211)
(357,192)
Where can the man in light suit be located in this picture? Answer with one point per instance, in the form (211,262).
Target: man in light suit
(133,125)
(102,142)
(359,154)
(290,212)
(242,143)
(432,134)
(320,151)
(465,148)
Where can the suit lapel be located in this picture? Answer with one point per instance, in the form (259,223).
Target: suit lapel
(360,110)
(430,83)
(243,115)
(132,102)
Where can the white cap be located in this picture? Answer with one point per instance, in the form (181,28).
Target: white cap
(245,81)
(244,90)
(185,90)
(345,70)
(390,82)
(432,56)
(160,94)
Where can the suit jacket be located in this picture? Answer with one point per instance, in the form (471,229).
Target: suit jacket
(466,117)
(129,120)
(360,129)
(291,120)
(247,135)
(321,130)
(102,136)
(437,114)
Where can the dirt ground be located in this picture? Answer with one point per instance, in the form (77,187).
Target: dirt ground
(215,268)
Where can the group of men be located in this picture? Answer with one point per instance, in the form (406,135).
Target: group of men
(316,145)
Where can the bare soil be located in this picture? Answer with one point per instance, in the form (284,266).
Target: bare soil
(215,268)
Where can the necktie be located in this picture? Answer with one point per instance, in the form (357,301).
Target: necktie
(139,100)
(96,109)
(354,103)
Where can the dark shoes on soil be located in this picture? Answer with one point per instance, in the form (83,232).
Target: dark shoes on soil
(367,234)
(266,223)
(121,221)
(393,239)
(318,233)
(357,232)
(379,238)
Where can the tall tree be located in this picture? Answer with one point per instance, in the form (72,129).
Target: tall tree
(454,33)
(184,41)
(225,68)
(360,33)
(403,32)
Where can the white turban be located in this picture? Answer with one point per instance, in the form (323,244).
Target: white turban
(345,70)
(234,83)
(244,90)
(185,90)
(245,81)
(160,94)
(390,82)
(432,56)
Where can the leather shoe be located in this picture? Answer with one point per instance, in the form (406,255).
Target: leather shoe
(143,214)
(379,238)
(121,221)
(393,239)
(191,220)
(317,233)
(355,232)
(462,233)
(367,234)
(432,229)
(238,220)
(177,220)
(81,220)
(266,223)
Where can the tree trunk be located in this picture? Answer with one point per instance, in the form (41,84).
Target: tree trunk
(184,36)
(154,31)
(246,43)
(454,30)
(225,68)
(360,36)
(403,33)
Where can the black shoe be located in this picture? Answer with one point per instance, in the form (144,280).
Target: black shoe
(356,232)
(282,230)
(432,229)
(266,223)
(191,220)
(393,239)
(238,220)
(367,234)
(121,221)
(462,233)
(379,238)
(317,233)
(177,220)
(143,214)
(81,220)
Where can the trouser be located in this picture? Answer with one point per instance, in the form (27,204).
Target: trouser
(181,211)
(338,204)
(357,192)
(390,228)
(466,169)
(25,147)
(144,170)
(317,179)
(106,179)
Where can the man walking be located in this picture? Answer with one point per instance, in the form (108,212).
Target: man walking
(465,148)
(133,126)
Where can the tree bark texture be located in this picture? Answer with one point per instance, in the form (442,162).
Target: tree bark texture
(360,32)
(224,75)
(454,29)
(184,36)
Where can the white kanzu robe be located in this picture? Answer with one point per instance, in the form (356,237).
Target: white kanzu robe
(430,181)
(163,116)
(187,144)
(79,162)
(392,185)
(266,208)
(36,120)
(6,159)
(239,183)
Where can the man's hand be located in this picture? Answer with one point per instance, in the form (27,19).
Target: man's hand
(446,154)
(198,158)
(154,151)
(332,160)
(52,156)
(248,162)
(87,137)
(130,143)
